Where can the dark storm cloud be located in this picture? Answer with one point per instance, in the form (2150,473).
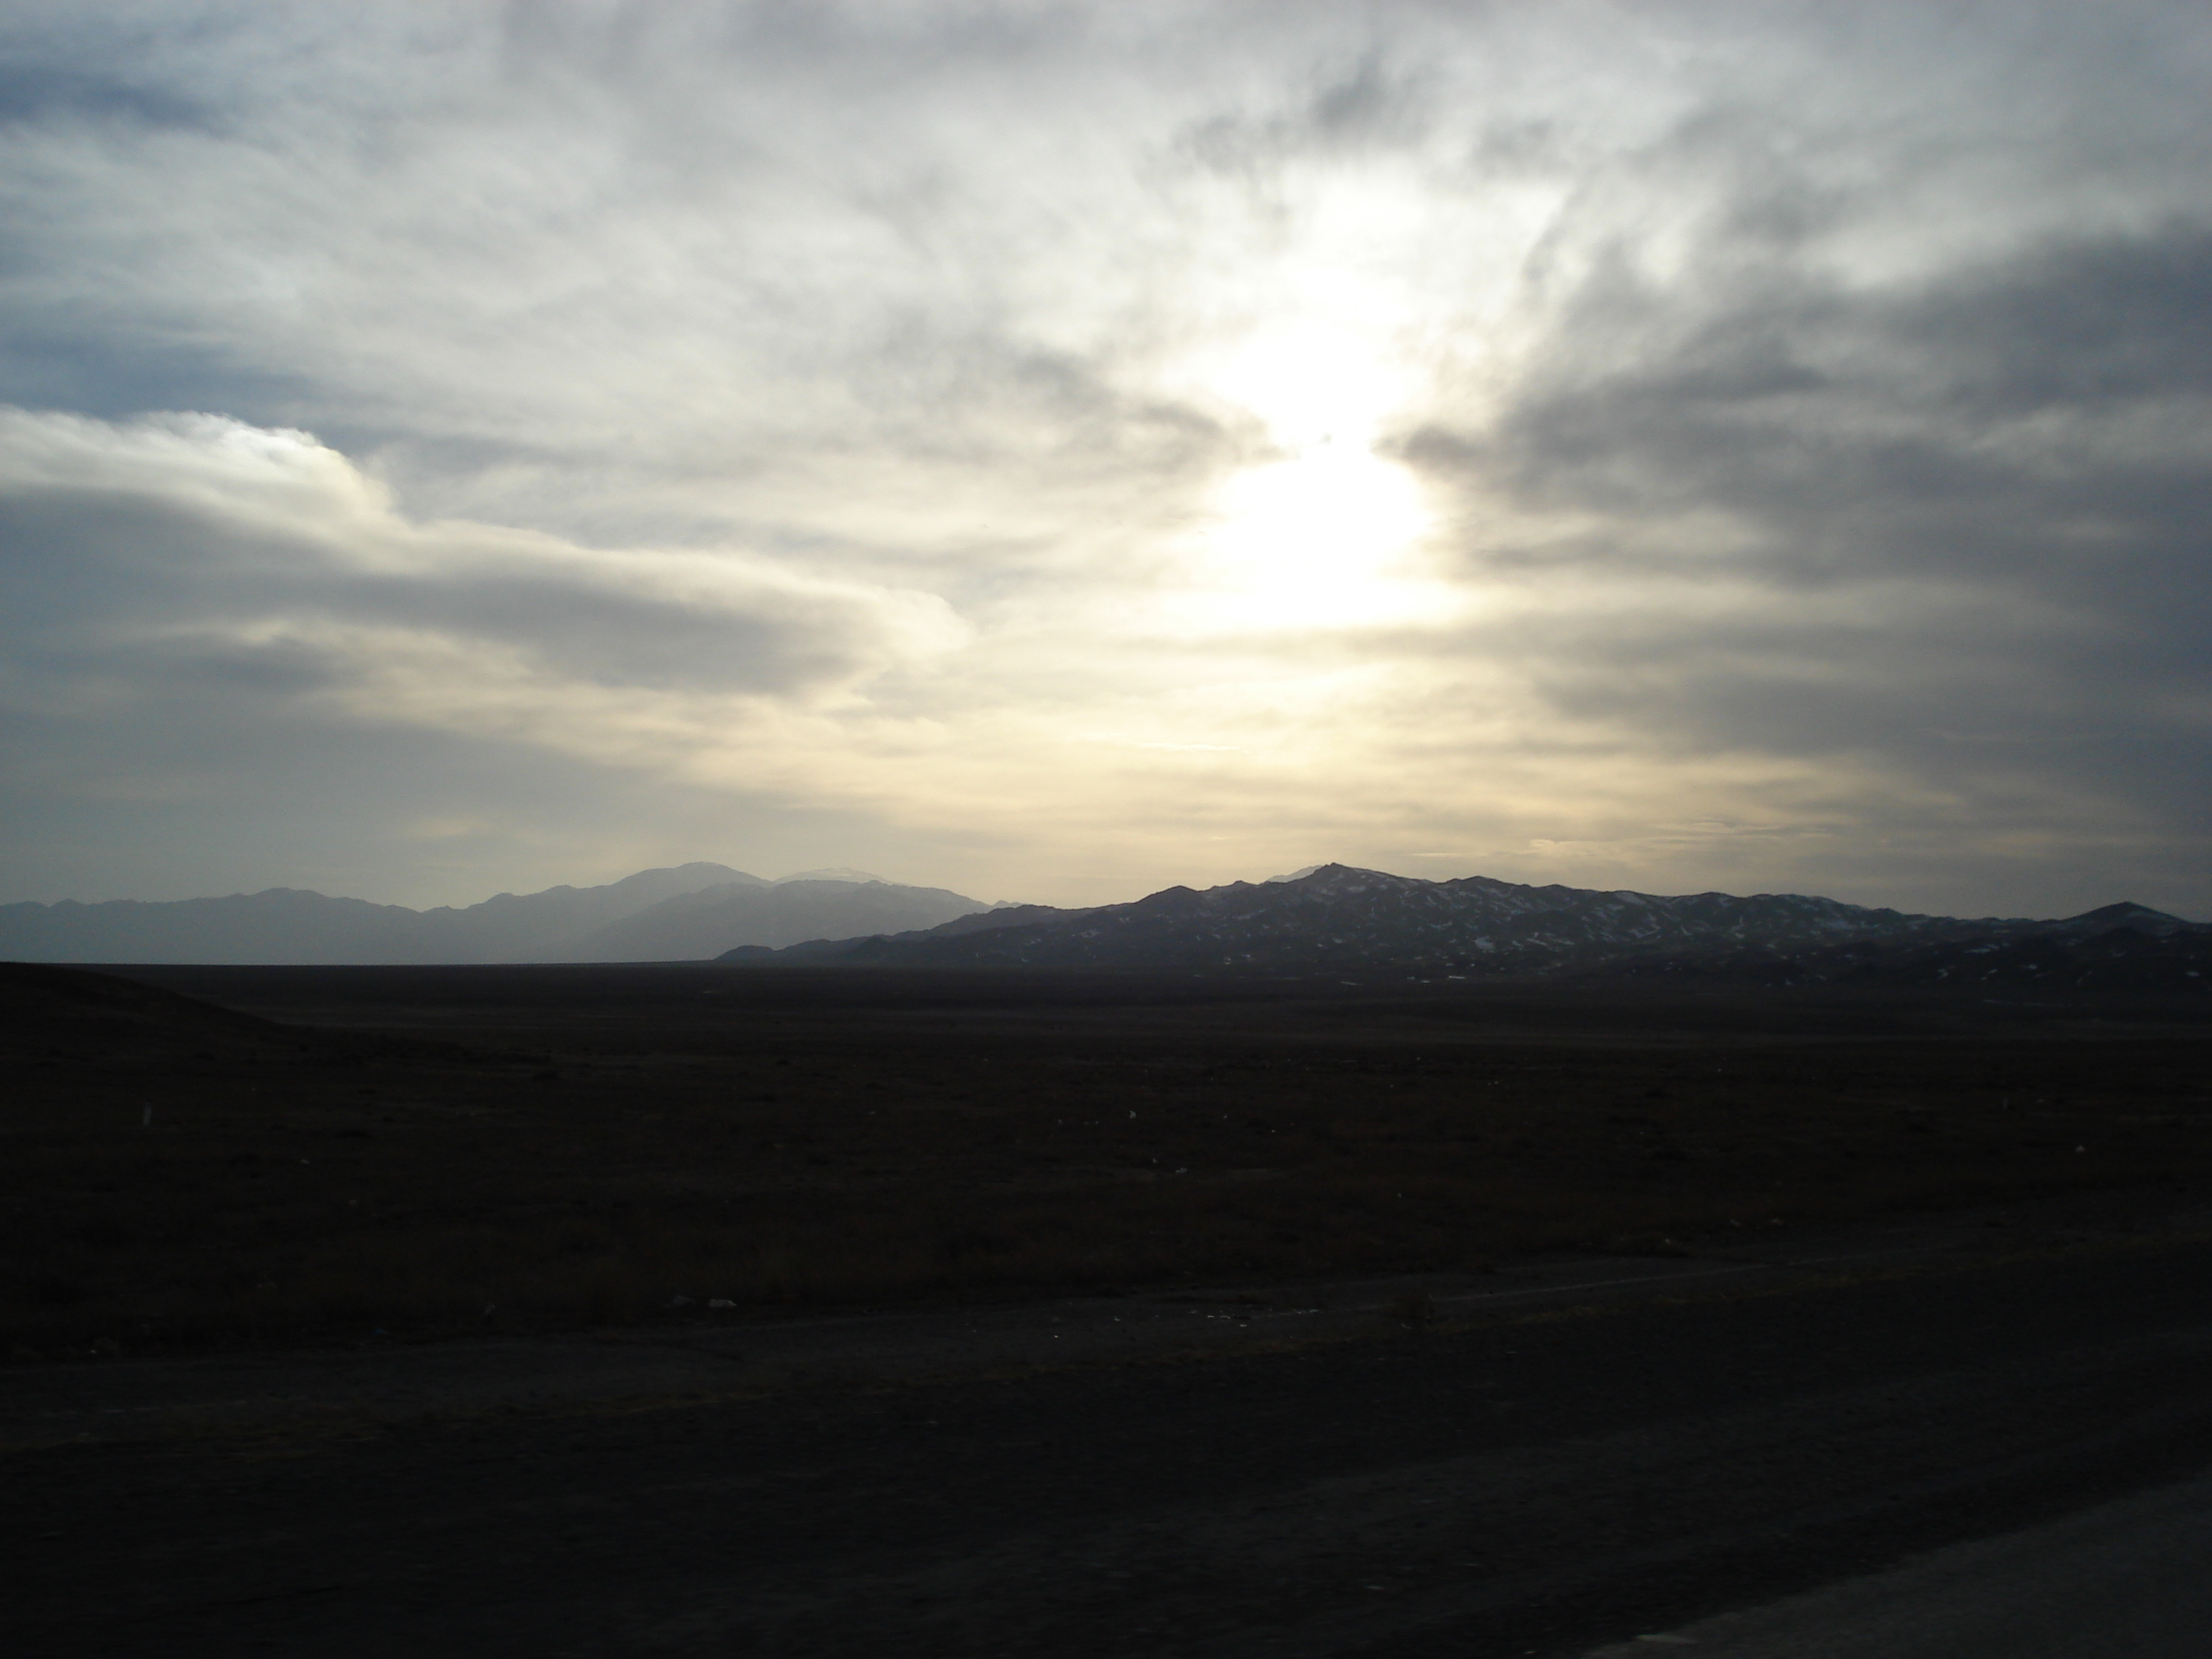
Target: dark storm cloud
(1788,397)
(1970,515)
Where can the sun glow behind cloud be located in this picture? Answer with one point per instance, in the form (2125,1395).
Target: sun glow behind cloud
(1329,336)
(1321,538)
(1320,531)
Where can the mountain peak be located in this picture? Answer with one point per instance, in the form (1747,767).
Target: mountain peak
(1330,874)
(682,878)
(2137,918)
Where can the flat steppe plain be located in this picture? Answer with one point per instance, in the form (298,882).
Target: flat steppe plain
(1068,1316)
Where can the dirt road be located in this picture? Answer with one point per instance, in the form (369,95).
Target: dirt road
(1554,1464)
(2126,1578)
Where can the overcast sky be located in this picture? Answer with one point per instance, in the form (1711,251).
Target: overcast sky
(1057,452)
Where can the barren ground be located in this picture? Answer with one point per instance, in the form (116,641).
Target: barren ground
(1009,1371)
(450,1151)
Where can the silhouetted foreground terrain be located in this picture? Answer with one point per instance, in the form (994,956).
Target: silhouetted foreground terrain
(1533,1474)
(381,1154)
(1225,1446)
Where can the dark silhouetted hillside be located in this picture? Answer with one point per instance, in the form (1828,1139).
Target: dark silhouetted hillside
(1337,919)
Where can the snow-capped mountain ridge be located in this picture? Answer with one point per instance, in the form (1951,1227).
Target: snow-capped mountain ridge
(1337,918)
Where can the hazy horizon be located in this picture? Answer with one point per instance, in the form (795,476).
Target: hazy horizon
(987,899)
(1056,452)
(821,874)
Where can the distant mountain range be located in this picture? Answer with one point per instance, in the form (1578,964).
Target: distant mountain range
(1331,921)
(686,913)
(1334,919)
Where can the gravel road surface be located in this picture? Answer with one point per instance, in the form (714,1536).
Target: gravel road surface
(1571,1454)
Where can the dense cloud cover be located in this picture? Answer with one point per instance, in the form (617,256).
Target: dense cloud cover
(1055,451)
